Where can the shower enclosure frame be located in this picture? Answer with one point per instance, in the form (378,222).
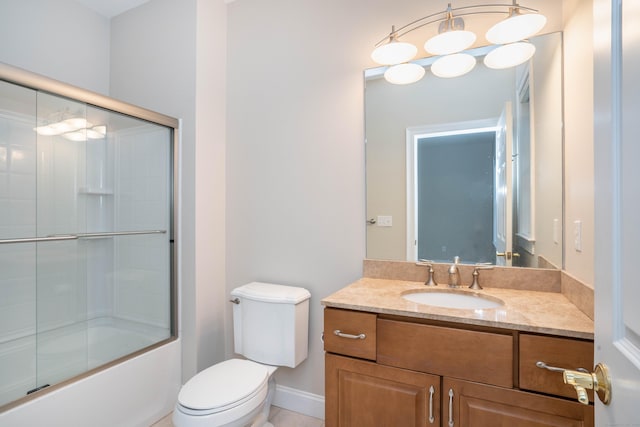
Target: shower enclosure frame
(44,84)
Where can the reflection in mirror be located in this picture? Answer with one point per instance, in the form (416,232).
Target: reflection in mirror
(469,166)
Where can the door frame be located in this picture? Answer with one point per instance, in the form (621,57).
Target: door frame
(413,134)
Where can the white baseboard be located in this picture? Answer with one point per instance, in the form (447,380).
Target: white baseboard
(299,401)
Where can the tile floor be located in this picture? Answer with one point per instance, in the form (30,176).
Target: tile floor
(279,418)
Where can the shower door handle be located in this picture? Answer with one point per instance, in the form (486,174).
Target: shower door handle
(40,239)
(59,237)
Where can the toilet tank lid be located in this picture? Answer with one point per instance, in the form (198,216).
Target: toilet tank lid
(270,292)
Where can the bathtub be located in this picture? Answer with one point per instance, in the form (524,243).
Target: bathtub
(136,392)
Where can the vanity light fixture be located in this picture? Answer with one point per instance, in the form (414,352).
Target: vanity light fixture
(452,39)
(394,51)
(509,55)
(403,74)
(516,27)
(454,65)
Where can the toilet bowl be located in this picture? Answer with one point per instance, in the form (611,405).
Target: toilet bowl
(270,324)
(233,393)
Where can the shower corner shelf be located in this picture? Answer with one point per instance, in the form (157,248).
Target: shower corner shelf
(91,191)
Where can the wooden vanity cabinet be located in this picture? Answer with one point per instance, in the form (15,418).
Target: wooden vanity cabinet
(469,404)
(363,393)
(422,373)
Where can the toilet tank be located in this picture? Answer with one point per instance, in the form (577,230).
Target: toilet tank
(271,323)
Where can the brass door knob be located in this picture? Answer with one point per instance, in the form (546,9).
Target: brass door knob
(599,381)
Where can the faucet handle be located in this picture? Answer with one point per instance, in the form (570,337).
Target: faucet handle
(475,284)
(428,263)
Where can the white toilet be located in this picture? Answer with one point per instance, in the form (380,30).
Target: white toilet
(271,329)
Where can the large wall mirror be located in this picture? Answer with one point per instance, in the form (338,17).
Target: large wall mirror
(470,166)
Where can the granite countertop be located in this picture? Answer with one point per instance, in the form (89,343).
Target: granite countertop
(523,310)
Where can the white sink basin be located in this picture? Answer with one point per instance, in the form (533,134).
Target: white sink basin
(453,299)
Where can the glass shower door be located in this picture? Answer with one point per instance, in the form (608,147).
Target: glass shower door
(85,238)
(17,261)
(61,302)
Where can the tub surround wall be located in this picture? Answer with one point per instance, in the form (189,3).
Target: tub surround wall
(529,279)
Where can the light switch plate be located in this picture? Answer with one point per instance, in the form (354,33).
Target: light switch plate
(577,235)
(385,221)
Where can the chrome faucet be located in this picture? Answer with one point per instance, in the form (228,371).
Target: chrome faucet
(454,273)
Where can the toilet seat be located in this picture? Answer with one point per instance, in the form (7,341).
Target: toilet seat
(223,386)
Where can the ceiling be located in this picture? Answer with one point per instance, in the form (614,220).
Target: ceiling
(111,8)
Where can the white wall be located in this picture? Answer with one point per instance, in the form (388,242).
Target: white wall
(155,69)
(578,127)
(295,152)
(183,47)
(211,301)
(60,39)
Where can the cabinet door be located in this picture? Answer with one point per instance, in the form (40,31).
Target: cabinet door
(363,394)
(467,404)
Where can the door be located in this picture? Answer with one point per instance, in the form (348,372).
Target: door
(454,196)
(502,212)
(617,201)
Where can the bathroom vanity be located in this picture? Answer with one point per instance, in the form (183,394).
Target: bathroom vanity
(393,362)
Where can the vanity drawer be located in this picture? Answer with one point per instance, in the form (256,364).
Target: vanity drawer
(351,333)
(484,357)
(554,351)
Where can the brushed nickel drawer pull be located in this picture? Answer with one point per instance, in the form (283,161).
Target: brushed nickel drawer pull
(450,407)
(431,418)
(542,365)
(339,333)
